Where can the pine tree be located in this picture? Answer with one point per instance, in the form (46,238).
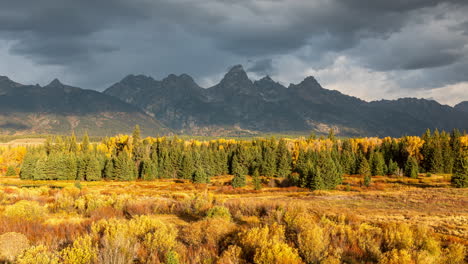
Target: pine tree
(268,165)
(48,145)
(331,172)
(73,145)
(187,166)
(28,167)
(70,167)
(199,176)
(149,170)
(331,134)
(238,180)
(137,151)
(109,169)
(377,164)
(392,167)
(460,176)
(40,169)
(411,168)
(82,163)
(257,185)
(93,169)
(364,168)
(10,171)
(283,159)
(237,166)
(85,143)
(124,168)
(367,180)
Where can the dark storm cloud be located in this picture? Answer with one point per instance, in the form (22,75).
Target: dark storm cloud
(262,67)
(108,38)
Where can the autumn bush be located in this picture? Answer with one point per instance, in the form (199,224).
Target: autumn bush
(219,212)
(38,254)
(26,210)
(83,251)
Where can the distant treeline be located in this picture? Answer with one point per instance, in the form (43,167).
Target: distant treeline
(315,163)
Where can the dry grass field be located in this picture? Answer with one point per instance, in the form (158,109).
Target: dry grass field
(67,211)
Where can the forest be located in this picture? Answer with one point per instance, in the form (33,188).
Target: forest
(320,199)
(314,163)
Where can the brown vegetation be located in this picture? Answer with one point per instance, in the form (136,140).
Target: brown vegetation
(395,220)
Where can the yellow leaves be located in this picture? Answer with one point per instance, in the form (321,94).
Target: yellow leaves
(13,156)
(83,251)
(27,210)
(38,254)
(365,144)
(268,245)
(464,142)
(412,145)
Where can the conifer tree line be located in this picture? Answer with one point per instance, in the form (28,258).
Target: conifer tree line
(315,163)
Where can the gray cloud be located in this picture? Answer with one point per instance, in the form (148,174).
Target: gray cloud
(262,67)
(98,42)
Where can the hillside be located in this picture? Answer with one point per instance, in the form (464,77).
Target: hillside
(59,108)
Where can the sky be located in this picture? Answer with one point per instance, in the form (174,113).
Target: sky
(371,49)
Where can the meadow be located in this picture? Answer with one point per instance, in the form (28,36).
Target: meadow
(170,200)
(395,220)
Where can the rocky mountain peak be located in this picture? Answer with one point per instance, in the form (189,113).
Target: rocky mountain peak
(55,83)
(5,81)
(236,74)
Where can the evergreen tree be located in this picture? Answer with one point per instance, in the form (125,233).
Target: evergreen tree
(331,134)
(28,167)
(237,166)
(93,169)
(377,164)
(367,180)
(411,168)
(149,170)
(330,171)
(85,143)
(137,151)
(364,168)
(283,159)
(268,165)
(199,176)
(257,185)
(187,166)
(10,171)
(460,176)
(40,169)
(82,163)
(73,148)
(238,180)
(70,167)
(109,169)
(48,145)
(124,168)
(392,167)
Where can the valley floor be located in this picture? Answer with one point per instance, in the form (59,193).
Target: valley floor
(74,207)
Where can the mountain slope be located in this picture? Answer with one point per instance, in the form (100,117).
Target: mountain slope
(238,104)
(463,107)
(58,108)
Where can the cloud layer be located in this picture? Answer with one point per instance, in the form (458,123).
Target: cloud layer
(368,48)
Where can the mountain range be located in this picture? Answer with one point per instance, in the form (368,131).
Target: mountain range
(59,109)
(234,106)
